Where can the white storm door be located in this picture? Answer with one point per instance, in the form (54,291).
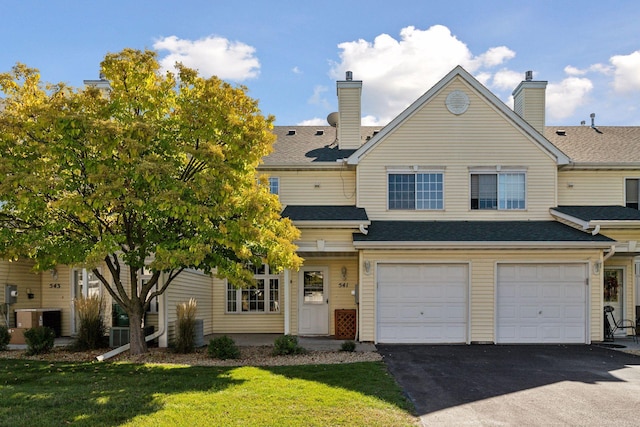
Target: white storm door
(313,301)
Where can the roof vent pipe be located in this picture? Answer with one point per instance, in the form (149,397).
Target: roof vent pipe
(593,119)
(528,76)
(349,76)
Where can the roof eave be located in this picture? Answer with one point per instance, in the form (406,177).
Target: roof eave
(480,245)
(355,224)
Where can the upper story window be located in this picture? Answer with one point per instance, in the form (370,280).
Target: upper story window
(501,191)
(274,185)
(262,297)
(632,190)
(416,190)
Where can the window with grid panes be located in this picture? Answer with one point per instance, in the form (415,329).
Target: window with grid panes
(416,191)
(262,297)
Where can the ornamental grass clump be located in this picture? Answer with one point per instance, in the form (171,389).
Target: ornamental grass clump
(91,330)
(186,326)
(348,346)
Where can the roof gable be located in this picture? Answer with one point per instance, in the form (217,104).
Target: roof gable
(481,91)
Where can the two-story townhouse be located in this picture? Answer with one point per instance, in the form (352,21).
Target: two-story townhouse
(461,221)
(447,224)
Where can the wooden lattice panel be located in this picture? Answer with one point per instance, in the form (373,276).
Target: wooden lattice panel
(346,324)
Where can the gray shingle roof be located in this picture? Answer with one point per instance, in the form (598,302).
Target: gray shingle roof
(474,231)
(325,213)
(604,144)
(308,145)
(600,213)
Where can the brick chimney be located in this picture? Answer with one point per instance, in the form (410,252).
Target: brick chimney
(529,100)
(349,113)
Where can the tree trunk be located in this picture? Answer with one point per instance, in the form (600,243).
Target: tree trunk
(136,334)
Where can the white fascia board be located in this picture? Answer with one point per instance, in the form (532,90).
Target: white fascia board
(602,166)
(302,166)
(577,221)
(331,224)
(478,245)
(307,246)
(552,150)
(616,224)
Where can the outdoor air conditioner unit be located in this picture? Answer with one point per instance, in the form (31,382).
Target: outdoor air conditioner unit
(119,335)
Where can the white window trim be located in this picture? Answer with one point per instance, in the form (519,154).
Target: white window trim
(415,170)
(276,179)
(266,277)
(500,170)
(624,188)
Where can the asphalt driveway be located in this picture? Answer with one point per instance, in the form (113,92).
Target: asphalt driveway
(523,385)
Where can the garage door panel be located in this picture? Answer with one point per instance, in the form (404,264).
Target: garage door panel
(548,307)
(422,303)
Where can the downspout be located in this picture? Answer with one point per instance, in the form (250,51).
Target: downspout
(162,326)
(363,229)
(612,251)
(595,230)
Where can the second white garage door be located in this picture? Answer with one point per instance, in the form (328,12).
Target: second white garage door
(422,303)
(541,303)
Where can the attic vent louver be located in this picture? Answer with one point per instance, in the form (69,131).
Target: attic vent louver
(291,132)
(319,132)
(561,132)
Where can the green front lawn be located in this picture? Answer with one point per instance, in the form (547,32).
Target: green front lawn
(92,394)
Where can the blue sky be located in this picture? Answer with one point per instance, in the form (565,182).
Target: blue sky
(290,53)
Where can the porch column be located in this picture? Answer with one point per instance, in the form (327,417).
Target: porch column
(287,302)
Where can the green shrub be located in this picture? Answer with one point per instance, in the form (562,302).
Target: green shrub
(5,337)
(223,348)
(39,340)
(91,328)
(186,326)
(287,344)
(348,346)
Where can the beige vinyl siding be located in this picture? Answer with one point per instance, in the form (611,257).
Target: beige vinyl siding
(482,268)
(481,137)
(20,274)
(593,187)
(531,106)
(229,323)
(349,94)
(339,297)
(622,235)
(316,187)
(190,284)
(334,240)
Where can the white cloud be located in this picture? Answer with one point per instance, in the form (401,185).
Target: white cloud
(397,72)
(565,97)
(296,70)
(626,72)
(507,79)
(313,122)
(318,97)
(229,60)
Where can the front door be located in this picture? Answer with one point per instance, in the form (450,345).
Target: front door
(313,301)
(85,284)
(613,293)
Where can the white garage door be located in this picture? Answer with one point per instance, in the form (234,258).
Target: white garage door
(541,303)
(422,303)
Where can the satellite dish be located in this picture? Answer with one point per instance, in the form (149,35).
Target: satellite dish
(333,119)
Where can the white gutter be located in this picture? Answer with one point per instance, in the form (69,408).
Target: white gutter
(612,251)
